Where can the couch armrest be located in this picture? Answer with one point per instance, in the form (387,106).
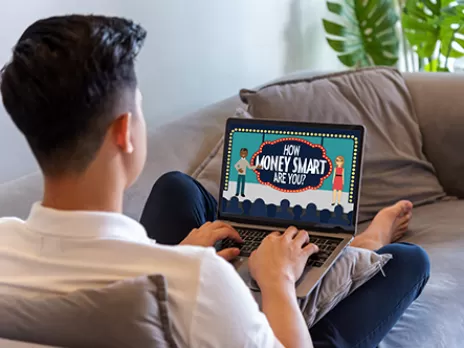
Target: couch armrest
(439,103)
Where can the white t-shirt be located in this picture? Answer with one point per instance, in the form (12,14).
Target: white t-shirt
(56,252)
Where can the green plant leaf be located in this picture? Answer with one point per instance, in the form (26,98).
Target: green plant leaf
(421,25)
(334,28)
(452,26)
(427,23)
(337,45)
(432,66)
(335,7)
(365,33)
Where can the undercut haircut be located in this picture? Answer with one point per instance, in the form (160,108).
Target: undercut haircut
(67,77)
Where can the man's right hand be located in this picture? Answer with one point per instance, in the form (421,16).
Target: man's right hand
(240,170)
(281,257)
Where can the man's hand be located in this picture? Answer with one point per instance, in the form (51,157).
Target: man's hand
(240,170)
(281,258)
(212,232)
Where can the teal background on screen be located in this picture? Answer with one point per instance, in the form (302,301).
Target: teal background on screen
(252,141)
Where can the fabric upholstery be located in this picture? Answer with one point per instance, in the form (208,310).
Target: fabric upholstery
(354,268)
(394,164)
(435,319)
(438,102)
(131,313)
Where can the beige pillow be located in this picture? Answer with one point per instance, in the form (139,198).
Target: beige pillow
(394,164)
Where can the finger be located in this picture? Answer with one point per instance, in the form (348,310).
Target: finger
(227,232)
(274,234)
(301,238)
(291,232)
(206,224)
(219,224)
(311,249)
(229,254)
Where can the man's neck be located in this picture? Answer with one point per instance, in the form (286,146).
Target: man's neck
(83,193)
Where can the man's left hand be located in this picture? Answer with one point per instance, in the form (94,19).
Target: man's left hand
(212,232)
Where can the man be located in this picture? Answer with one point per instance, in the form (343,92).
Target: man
(72,91)
(242,165)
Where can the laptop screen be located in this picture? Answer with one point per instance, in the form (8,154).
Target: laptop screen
(290,173)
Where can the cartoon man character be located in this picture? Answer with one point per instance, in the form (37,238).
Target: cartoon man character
(241,166)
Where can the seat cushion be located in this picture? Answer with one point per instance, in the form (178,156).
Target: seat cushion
(435,320)
(394,165)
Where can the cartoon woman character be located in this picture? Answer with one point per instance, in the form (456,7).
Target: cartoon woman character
(338,179)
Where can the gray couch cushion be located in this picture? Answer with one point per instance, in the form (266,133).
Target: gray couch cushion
(438,101)
(394,165)
(436,319)
(130,313)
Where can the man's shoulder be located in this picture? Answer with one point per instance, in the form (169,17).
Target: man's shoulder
(9,225)
(10,220)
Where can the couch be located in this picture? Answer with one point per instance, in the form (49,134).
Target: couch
(193,145)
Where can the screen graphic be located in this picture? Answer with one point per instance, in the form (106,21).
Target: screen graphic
(290,174)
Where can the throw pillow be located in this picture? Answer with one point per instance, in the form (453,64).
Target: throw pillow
(352,269)
(130,313)
(394,164)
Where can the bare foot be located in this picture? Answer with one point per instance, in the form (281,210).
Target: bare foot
(389,225)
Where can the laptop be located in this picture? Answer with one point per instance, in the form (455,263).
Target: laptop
(276,174)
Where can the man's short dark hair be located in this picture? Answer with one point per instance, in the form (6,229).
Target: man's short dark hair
(243,149)
(64,82)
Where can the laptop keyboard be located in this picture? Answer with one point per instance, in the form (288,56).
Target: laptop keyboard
(253,238)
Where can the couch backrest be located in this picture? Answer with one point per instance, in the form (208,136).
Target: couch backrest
(185,143)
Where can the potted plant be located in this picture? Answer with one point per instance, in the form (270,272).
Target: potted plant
(367,34)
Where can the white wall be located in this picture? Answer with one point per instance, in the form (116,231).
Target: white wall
(197,52)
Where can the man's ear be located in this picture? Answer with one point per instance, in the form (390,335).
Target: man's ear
(122,128)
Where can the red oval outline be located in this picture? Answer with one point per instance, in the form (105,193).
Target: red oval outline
(324,155)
